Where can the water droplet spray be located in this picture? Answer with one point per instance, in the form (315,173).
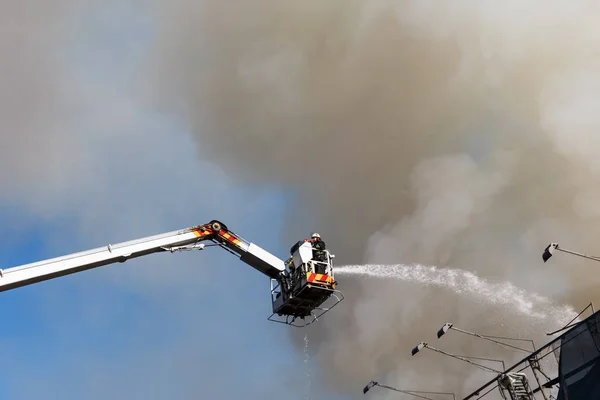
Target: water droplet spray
(307,369)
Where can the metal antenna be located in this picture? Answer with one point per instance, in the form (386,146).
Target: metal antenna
(533,361)
(415,393)
(549,251)
(447,326)
(571,323)
(466,359)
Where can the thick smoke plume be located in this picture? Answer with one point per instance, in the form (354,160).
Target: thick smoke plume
(460,134)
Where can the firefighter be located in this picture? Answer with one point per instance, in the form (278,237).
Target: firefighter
(319,252)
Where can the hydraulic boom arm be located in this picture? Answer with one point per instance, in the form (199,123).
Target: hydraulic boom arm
(186,239)
(299,289)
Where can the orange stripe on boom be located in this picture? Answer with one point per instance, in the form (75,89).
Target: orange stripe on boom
(203,231)
(230,237)
(199,232)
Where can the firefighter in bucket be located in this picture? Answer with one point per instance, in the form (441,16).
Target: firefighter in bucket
(319,253)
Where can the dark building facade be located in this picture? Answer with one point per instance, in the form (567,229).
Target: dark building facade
(579,361)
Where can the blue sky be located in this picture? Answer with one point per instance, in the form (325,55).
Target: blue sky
(163,326)
(168,320)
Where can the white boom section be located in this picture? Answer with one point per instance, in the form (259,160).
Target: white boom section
(60,266)
(263,261)
(186,239)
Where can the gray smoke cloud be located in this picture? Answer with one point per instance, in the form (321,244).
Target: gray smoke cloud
(458,134)
(36,95)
